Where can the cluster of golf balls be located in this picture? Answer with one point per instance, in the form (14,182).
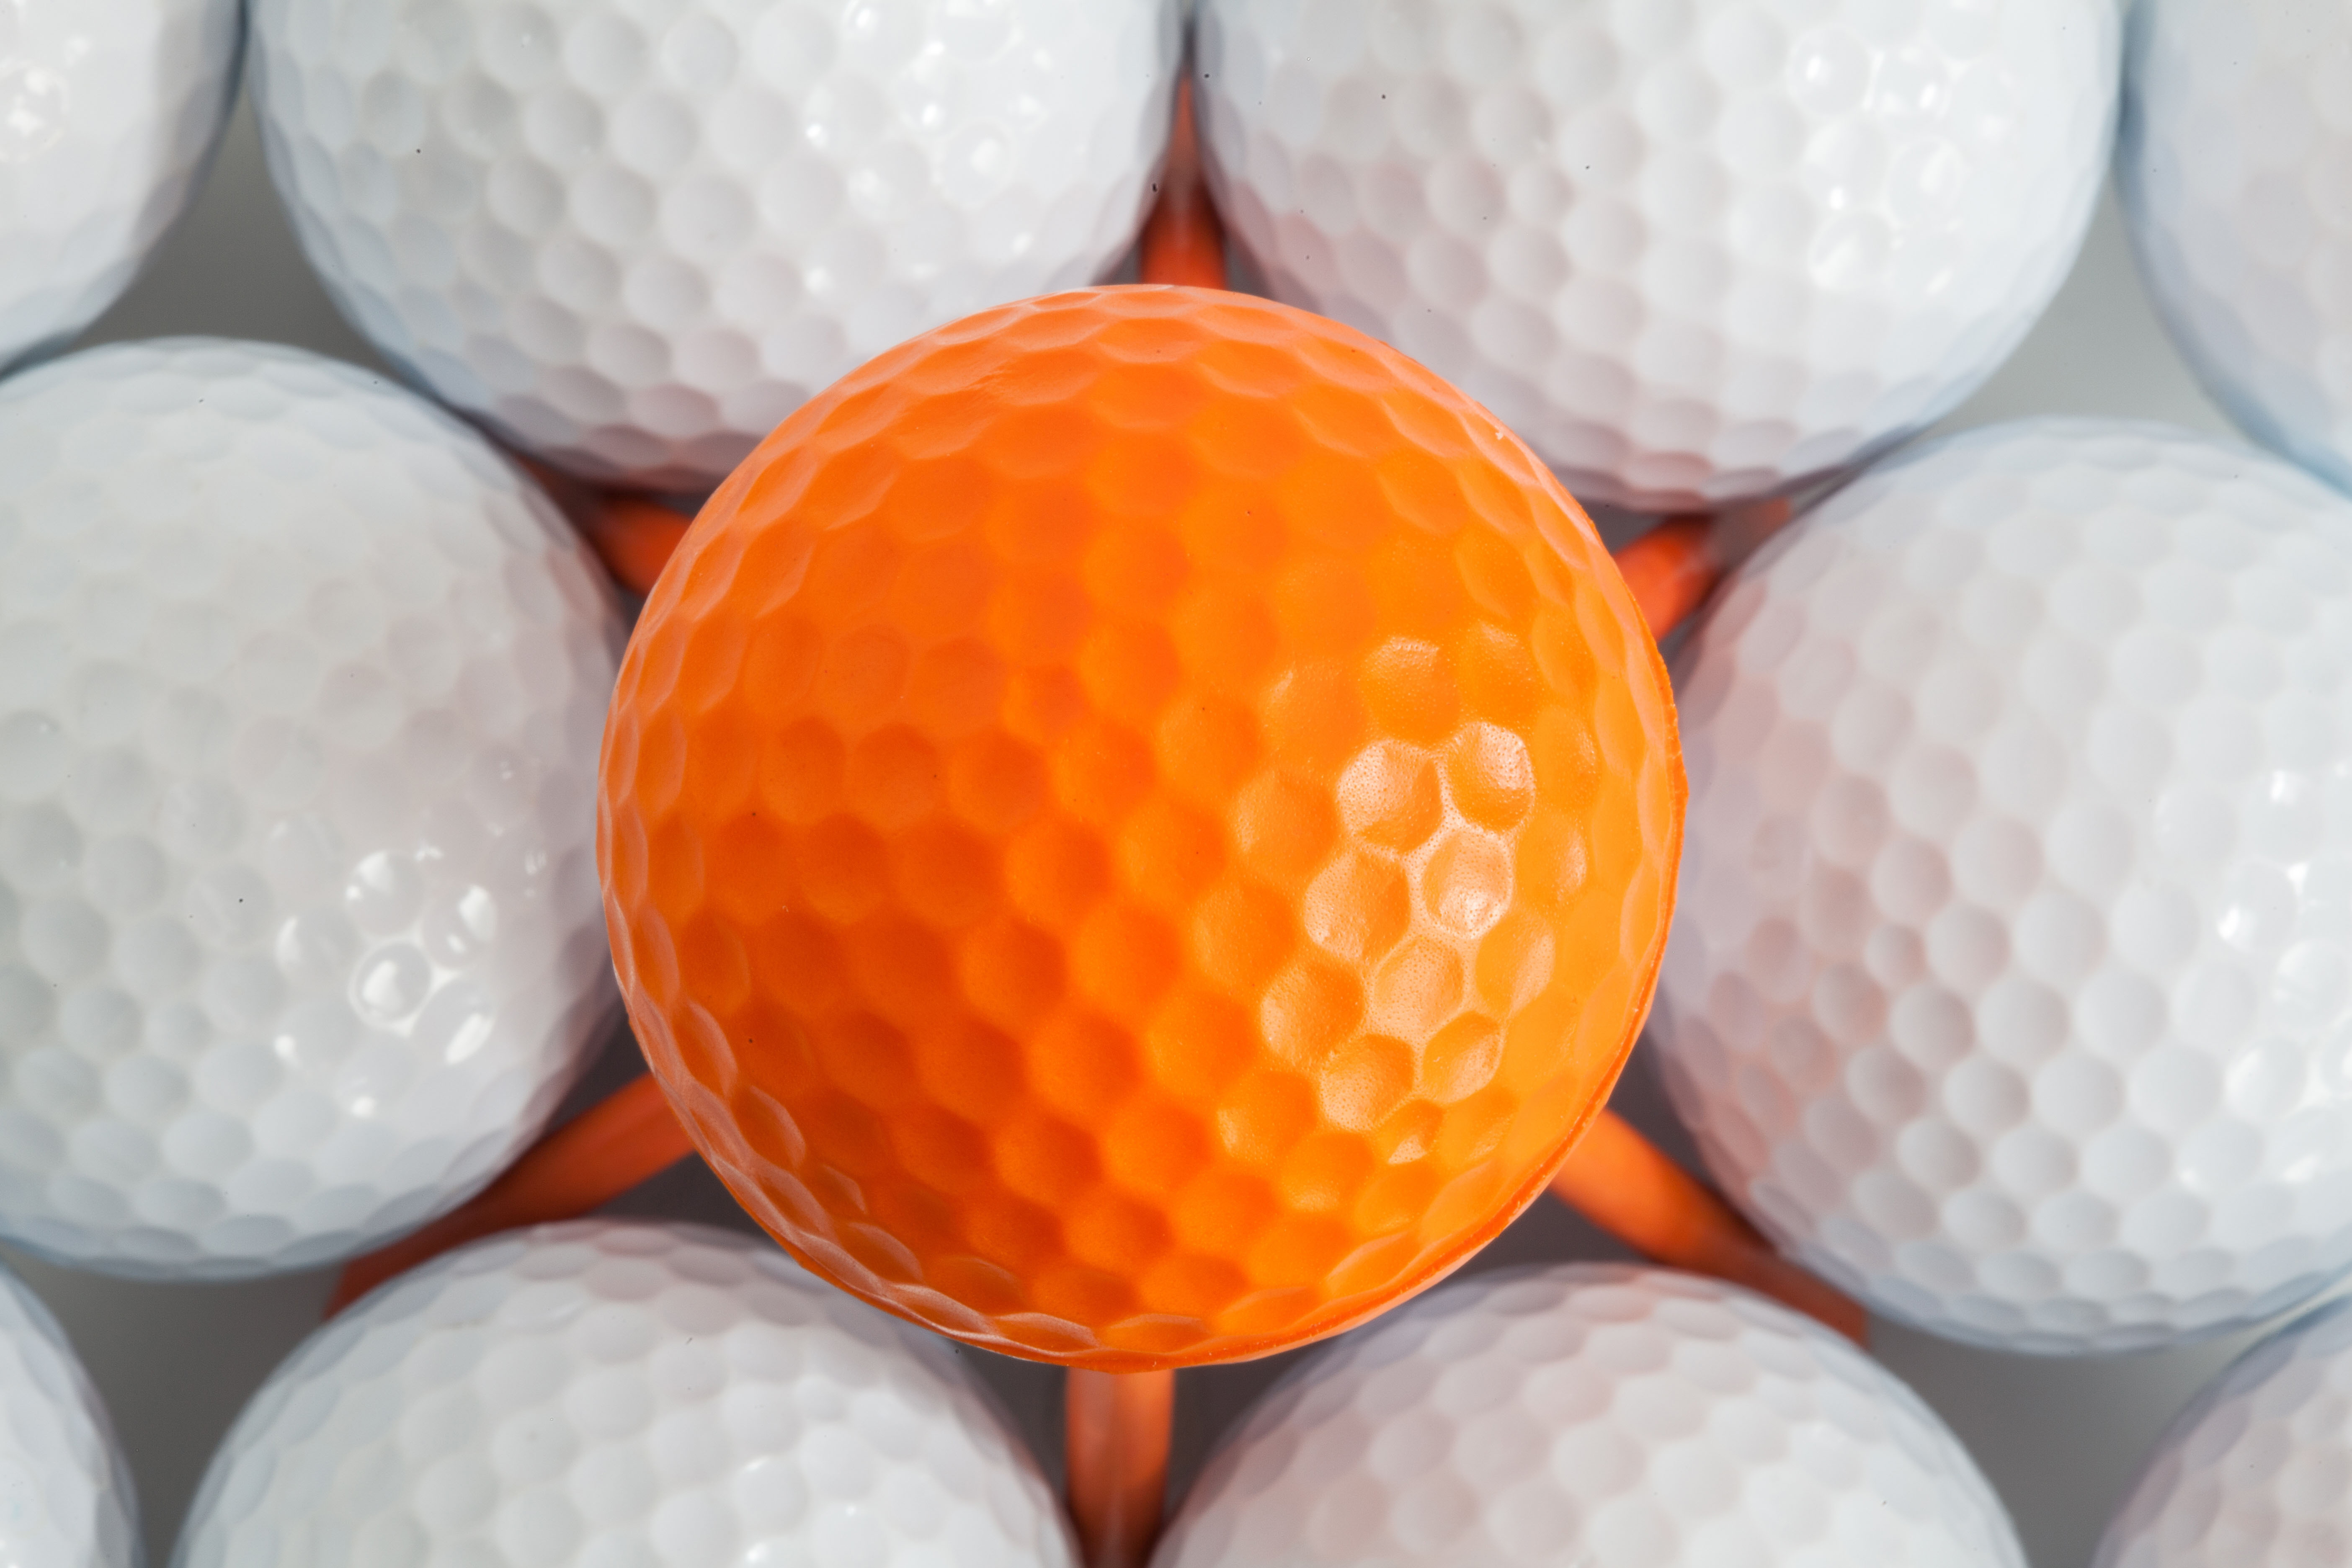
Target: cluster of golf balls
(2012,982)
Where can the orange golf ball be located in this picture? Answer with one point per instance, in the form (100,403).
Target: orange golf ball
(1139,828)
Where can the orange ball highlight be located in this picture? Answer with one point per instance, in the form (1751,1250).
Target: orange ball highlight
(1139,828)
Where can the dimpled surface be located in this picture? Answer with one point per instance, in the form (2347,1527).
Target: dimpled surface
(1138,828)
(108,112)
(631,236)
(64,1494)
(1690,250)
(1594,1414)
(2257,1471)
(300,689)
(2009,984)
(602,1393)
(2237,134)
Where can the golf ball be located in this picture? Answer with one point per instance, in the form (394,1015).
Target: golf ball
(2257,1471)
(2237,131)
(300,690)
(609,1392)
(65,1495)
(631,236)
(110,110)
(1607,1417)
(1138,828)
(1690,252)
(2008,986)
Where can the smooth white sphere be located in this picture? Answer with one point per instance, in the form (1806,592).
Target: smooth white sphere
(2257,1471)
(1594,1414)
(2232,165)
(301,688)
(606,1392)
(1692,252)
(2010,981)
(65,1493)
(631,236)
(110,110)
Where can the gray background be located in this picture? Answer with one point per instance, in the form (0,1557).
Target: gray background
(2060,1439)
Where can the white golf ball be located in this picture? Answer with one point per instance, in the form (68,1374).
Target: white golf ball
(2010,981)
(64,1494)
(301,687)
(2237,134)
(1692,252)
(1606,1417)
(110,110)
(631,236)
(2257,1471)
(603,1393)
